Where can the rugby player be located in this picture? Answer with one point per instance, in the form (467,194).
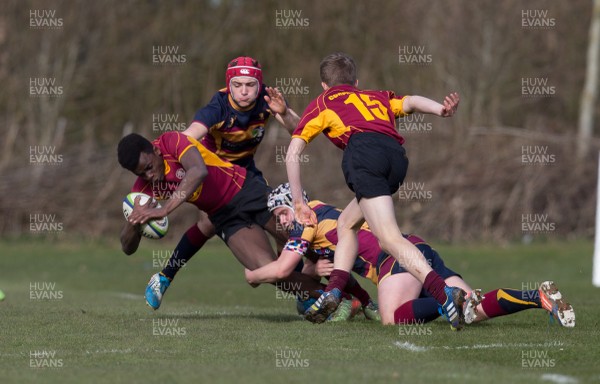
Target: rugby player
(232,125)
(400,295)
(177,168)
(362,123)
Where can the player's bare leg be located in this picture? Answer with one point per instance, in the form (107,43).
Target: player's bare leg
(395,290)
(348,224)
(379,214)
(346,251)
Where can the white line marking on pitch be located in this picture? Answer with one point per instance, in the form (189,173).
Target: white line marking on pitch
(558,378)
(128,350)
(127,295)
(410,346)
(416,348)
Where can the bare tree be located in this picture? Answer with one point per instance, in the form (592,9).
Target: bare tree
(590,88)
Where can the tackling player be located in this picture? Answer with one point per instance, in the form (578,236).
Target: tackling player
(400,295)
(232,125)
(362,123)
(176,168)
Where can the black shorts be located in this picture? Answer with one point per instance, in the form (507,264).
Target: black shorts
(250,166)
(374,165)
(248,207)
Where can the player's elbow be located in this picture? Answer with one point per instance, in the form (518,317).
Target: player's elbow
(198,174)
(129,247)
(128,250)
(283,273)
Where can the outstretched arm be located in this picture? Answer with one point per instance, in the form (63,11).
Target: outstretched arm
(424,105)
(196,130)
(304,215)
(275,270)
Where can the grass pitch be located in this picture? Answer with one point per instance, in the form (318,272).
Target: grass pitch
(74,312)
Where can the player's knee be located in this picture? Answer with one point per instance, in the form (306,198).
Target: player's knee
(387,245)
(206,227)
(345,223)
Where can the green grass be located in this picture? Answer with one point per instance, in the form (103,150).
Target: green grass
(102,331)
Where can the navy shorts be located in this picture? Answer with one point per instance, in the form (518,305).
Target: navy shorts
(248,207)
(387,265)
(374,165)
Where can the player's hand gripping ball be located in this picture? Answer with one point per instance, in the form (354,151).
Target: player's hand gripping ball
(153,229)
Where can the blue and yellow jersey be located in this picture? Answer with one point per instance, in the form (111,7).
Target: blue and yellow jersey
(234,133)
(321,240)
(344,110)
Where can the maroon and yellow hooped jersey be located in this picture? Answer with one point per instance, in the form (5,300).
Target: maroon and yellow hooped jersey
(344,110)
(223,181)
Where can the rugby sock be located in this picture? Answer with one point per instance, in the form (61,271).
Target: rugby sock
(191,242)
(434,285)
(417,311)
(502,302)
(354,288)
(345,294)
(338,279)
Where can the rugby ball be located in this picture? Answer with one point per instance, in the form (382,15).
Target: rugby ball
(154,229)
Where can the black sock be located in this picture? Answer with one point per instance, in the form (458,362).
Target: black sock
(191,242)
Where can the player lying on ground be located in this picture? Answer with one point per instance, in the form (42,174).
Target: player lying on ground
(400,295)
(231,125)
(362,123)
(177,168)
(311,242)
